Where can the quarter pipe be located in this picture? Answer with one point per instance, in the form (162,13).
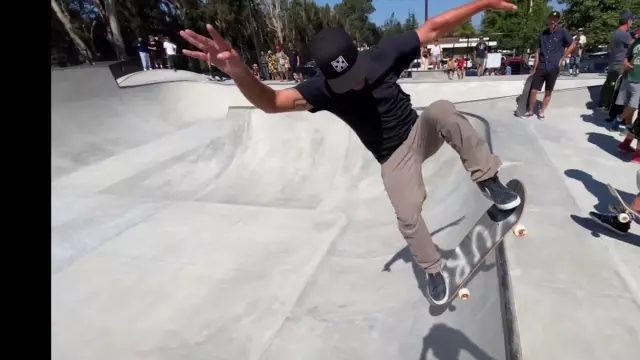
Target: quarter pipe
(185,229)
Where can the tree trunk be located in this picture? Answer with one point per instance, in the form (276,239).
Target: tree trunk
(84,52)
(274,18)
(115,36)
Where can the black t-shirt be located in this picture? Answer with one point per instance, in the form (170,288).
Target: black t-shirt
(293,57)
(381,113)
(481,50)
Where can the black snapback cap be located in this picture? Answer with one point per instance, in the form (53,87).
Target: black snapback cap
(338,59)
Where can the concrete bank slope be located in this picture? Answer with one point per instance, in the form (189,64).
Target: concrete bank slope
(246,236)
(574,284)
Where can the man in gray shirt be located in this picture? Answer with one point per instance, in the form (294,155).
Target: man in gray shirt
(618,47)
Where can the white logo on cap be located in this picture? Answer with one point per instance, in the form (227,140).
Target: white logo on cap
(339,64)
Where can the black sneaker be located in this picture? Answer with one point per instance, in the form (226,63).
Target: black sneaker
(502,196)
(437,288)
(611,222)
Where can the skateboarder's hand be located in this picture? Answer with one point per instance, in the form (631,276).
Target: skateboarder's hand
(215,50)
(501,5)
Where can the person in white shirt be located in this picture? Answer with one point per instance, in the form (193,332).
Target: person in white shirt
(170,50)
(574,61)
(436,51)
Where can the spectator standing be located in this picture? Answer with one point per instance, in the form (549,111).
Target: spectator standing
(481,56)
(436,51)
(159,53)
(272,62)
(143,51)
(264,65)
(294,63)
(618,47)
(170,48)
(425,58)
(574,63)
(283,63)
(153,51)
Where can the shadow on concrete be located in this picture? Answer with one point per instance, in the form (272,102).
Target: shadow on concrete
(601,192)
(597,117)
(487,127)
(405,255)
(536,107)
(609,144)
(594,97)
(596,230)
(447,343)
(598,189)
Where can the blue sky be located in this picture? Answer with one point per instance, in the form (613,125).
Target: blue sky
(384,8)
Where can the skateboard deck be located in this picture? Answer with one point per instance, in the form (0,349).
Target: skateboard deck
(625,212)
(483,237)
(523,100)
(616,91)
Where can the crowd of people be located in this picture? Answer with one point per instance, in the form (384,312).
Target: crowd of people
(283,65)
(156,52)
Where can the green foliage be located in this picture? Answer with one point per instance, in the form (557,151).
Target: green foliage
(465,30)
(517,30)
(598,21)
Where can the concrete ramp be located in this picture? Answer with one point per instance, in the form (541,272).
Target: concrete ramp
(177,235)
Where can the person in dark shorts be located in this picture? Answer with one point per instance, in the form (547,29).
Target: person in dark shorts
(619,44)
(629,99)
(294,63)
(554,45)
(481,56)
(360,87)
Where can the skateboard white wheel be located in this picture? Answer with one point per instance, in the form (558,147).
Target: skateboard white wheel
(519,230)
(624,218)
(464,294)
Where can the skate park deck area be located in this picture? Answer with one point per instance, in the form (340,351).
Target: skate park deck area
(186,224)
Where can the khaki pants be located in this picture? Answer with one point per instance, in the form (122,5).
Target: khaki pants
(402,172)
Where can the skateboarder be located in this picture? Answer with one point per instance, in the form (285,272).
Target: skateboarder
(618,47)
(611,221)
(360,88)
(554,45)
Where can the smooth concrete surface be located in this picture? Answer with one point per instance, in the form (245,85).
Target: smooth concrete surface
(185,229)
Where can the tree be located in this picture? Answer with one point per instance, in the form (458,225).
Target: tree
(598,18)
(63,16)
(411,23)
(392,26)
(518,30)
(354,16)
(465,30)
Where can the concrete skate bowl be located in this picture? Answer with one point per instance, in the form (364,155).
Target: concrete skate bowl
(245,236)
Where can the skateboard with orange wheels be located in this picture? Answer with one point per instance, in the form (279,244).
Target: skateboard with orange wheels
(624,211)
(480,241)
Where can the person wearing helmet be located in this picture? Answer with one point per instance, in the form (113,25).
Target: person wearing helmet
(554,45)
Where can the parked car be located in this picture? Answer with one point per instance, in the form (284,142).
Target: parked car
(532,60)
(596,62)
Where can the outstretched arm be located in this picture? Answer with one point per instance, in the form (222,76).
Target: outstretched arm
(218,52)
(440,25)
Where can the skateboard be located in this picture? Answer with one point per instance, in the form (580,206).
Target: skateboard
(523,99)
(614,96)
(624,211)
(480,241)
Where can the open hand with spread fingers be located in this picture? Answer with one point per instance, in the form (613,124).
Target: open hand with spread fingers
(214,50)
